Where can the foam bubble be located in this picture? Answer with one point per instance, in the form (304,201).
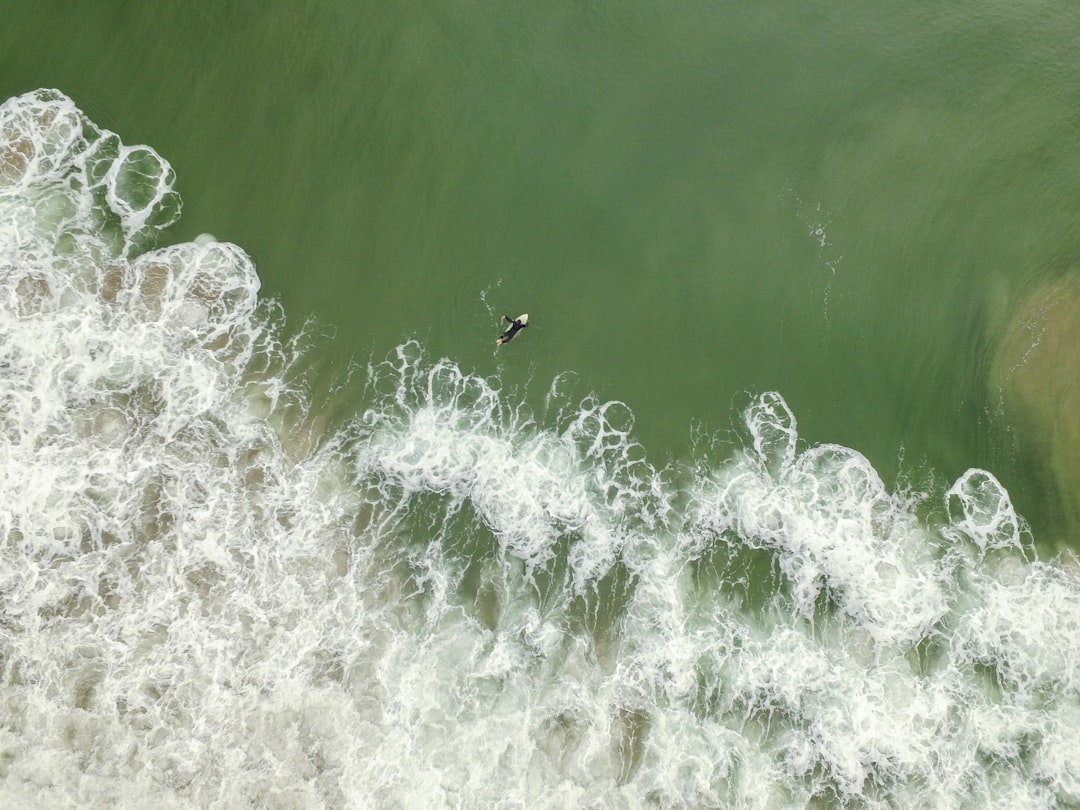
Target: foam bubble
(980,509)
(82,182)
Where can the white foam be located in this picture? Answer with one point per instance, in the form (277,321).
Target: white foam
(207,599)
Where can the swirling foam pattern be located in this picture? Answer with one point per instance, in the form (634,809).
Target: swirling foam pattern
(210,599)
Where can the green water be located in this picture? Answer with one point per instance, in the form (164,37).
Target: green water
(840,201)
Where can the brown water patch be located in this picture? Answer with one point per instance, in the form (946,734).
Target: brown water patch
(1036,372)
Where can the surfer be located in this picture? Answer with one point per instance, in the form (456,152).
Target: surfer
(516,325)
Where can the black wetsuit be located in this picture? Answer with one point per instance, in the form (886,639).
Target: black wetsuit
(515,326)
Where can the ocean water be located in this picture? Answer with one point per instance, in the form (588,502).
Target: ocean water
(374,562)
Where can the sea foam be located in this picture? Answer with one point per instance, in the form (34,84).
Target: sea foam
(208,598)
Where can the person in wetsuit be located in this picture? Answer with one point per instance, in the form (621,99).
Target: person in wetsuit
(516,325)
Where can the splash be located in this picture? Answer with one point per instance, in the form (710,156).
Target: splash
(209,598)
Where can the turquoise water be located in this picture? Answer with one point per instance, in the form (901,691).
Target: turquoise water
(741,519)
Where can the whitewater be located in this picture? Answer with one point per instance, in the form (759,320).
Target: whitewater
(212,594)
